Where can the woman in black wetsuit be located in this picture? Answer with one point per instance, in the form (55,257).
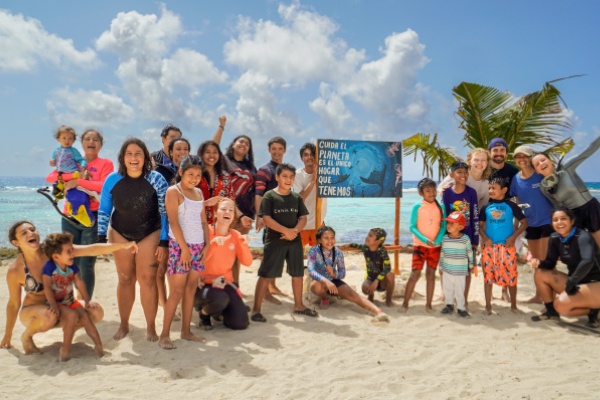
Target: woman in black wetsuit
(133,204)
(580,288)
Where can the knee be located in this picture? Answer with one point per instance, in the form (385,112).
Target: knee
(415,275)
(127,279)
(315,287)
(239,323)
(562,307)
(69,317)
(430,273)
(148,279)
(96,314)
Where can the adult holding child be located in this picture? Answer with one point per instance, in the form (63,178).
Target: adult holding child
(562,185)
(98,170)
(132,208)
(25,273)
(579,289)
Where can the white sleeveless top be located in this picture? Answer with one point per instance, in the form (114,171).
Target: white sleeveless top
(189,215)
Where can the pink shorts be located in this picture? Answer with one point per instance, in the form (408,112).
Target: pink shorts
(175,266)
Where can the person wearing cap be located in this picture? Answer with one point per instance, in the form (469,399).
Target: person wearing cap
(562,185)
(500,168)
(463,199)
(525,188)
(456,257)
(498,236)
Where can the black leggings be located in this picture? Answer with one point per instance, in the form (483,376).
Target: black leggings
(225,302)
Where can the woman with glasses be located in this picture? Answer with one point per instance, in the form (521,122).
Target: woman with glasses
(97,169)
(562,185)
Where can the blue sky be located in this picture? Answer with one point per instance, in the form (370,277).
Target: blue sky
(362,70)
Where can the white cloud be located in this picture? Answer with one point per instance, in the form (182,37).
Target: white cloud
(83,108)
(331,108)
(163,86)
(25,43)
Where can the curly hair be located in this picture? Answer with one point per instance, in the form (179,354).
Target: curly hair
(54,242)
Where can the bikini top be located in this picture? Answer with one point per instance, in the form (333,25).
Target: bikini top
(31,285)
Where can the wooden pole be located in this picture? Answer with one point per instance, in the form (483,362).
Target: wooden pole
(318,206)
(397,238)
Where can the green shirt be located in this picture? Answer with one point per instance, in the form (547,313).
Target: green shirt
(285,210)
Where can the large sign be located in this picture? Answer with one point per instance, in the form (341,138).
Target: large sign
(351,168)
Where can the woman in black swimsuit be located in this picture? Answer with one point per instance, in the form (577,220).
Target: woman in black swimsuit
(26,273)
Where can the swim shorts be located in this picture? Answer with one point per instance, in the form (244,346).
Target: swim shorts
(175,266)
(499,264)
(423,254)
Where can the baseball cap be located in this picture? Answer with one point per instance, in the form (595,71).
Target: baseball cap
(524,149)
(457,216)
(497,142)
(458,165)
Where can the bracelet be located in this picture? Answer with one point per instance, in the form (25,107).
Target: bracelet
(222,127)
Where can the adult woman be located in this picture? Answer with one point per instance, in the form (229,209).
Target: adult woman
(562,185)
(177,150)
(97,170)
(133,204)
(25,273)
(579,290)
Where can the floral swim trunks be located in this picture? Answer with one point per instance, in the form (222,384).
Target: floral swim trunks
(499,264)
(175,266)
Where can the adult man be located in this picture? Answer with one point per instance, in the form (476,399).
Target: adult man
(499,150)
(306,185)
(161,157)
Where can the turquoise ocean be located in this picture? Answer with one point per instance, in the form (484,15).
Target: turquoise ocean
(351,218)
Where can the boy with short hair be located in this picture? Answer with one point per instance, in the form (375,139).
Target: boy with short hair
(284,215)
(58,275)
(457,255)
(498,236)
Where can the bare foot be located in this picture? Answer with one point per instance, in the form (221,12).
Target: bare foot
(381,317)
(166,343)
(488,310)
(192,338)
(272,299)
(121,332)
(151,335)
(64,355)
(515,310)
(534,300)
(275,290)
(99,351)
(390,303)
(28,346)
(429,309)
(403,309)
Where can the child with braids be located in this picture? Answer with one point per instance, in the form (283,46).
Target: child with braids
(428,228)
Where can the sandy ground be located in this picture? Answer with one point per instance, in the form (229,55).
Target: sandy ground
(340,355)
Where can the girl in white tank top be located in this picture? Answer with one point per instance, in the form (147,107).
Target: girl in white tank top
(188,245)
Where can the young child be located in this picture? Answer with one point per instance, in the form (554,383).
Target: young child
(463,198)
(498,236)
(326,268)
(66,158)
(227,245)
(188,244)
(284,215)
(457,255)
(58,275)
(379,276)
(428,227)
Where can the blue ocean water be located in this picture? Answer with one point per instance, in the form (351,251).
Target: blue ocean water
(351,218)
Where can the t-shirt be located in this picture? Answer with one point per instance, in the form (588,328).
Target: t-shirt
(456,255)
(481,187)
(301,182)
(243,176)
(285,210)
(426,223)
(62,282)
(465,202)
(529,191)
(221,257)
(498,217)
(507,172)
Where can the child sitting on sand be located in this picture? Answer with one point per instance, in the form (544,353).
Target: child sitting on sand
(428,227)
(498,236)
(379,276)
(58,275)
(326,268)
(457,255)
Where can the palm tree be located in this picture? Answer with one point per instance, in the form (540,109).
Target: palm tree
(536,119)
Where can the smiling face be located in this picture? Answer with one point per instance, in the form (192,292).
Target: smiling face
(327,240)
(191,177)
(428,194)
(210,157)
(497,192)
(523,161)
(371,241)
(66,139)
(460,176)
(478,161)
(134,160)
(285,180)
(241,147)
(562,223)
(92,143)
(543,165)
(277,150)
(225,212)
(26,236)
(180,150)
(65,257)
(498,155)
(308,158)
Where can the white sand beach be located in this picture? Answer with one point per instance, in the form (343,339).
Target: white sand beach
(340,355)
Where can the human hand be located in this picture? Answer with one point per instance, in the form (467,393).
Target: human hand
(289,234)
(220,240)
(213,201)
(132,246)
(330,271)
(204,251)
(222,120)
(487,241)
(431,243)
(374,286)
(246,222)
(571,288)
(510,241)
(52,163)
(5,343)
(54,310)
(72,184)
(91,305)
(160,253)
(331,288)
(186,256)
(535,263)
(260,223)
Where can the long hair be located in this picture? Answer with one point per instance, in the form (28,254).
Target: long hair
(249,157)
(172,145)
(220,165)
(488,170)
(147,159)
(188,162)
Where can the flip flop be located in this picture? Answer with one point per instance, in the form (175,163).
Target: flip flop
(258,317)
(307,312)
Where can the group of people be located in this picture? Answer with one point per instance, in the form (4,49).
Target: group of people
(171,213)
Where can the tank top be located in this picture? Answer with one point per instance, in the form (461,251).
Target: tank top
(188,214)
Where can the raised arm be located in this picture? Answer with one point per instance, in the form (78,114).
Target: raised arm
(220,129)
(573,162)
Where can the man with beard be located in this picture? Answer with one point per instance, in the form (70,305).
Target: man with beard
(499,150)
